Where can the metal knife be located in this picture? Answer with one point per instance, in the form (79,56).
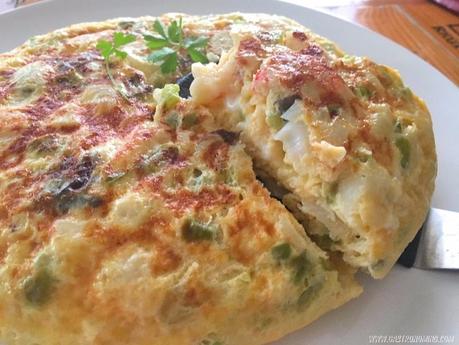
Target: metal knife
(436,246)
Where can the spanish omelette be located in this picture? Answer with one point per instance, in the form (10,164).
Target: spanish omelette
(130,215)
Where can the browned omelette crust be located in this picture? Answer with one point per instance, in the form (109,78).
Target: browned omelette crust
(119,226)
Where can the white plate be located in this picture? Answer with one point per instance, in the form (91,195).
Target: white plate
(408,301)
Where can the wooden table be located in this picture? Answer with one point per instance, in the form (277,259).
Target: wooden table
(425,28)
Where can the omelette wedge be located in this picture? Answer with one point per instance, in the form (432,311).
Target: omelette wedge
(346,143)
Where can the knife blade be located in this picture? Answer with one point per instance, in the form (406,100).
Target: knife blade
(436,246)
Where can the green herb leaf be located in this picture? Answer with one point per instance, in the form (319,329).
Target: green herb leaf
(174,32)
(161,54)
(196,55)
(120,54)
(158,27)
(105,48)
(170,44)
(121,39)
(170,64)
(199,42)
(155,42)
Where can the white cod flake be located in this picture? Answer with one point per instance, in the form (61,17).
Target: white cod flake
(129,212)
(367,199)
(295,140)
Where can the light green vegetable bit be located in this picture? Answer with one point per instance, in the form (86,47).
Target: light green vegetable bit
(275,121)
(403,146)
(308,296)
(39,287)
(301,267)
(189,120)
(173,120)
(168,96)
(363,92)
(195,231)
(281,251)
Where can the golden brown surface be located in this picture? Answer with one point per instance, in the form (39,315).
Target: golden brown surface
(135,220)
(425,28)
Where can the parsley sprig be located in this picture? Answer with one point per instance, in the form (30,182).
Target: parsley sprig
(169,42)
(108,49)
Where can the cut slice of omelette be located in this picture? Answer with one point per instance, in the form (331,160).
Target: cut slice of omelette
(349,144)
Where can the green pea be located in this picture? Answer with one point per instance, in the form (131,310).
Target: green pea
(281,252)
(403,146)
(39,288)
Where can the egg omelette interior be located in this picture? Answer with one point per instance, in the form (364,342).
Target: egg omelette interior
(129,214)
(347,145)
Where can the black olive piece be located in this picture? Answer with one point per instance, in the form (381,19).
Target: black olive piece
(228,137)
(135,80)
(83,173)
(184,83)
(334,110)
(126,25)
(285,103)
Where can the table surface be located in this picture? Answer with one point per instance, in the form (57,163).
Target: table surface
(425,28)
